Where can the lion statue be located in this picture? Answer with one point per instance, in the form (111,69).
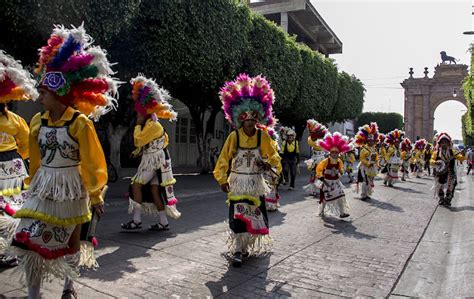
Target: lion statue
(445,57)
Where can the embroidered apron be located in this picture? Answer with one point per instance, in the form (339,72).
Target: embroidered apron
(248,186)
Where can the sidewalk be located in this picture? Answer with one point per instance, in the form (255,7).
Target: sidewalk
(443,264)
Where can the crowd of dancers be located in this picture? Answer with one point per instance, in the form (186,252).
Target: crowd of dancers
(53,172)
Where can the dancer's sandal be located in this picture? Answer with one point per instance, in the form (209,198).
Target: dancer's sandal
(159,227)
(131,225)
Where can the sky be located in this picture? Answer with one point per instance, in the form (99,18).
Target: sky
(382,39)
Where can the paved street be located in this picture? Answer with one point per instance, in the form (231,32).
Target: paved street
(397,243)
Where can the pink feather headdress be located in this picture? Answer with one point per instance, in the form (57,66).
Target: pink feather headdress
(336,140)
(247,97)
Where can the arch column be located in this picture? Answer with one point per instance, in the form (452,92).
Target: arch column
(410,129)
(427,119)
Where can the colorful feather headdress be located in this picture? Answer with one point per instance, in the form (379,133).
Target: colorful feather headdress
(440,136)
(270,131)
(367,133)
(151,99)
(381,139)
(247,98)
(394,136)
(405,145)
(336,140)
(16,83)
(78,73)
(316,129)
(420,144)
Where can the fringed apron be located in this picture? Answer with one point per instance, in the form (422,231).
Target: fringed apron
(332,193)
(156,158)
(13,192)
(393,166)
(316,157)
(420,165)
(57,203)
(366,175)
(248,218)
(272,199)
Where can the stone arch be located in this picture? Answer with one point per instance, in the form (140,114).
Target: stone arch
(424,95)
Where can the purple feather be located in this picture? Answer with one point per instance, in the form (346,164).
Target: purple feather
(67,50)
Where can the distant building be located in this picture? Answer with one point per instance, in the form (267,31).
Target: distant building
(300,18)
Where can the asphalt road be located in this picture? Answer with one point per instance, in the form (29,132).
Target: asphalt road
(399,242)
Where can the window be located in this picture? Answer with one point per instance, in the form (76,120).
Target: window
(192,132)
(182,130)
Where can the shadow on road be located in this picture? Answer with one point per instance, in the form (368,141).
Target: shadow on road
(384,205)
(236,281)
(345,228)
(407,190)
(461,209)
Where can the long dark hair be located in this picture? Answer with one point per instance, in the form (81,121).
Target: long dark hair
(3,108)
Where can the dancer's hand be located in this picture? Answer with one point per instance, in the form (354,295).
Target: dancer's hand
(98,209)
(225,188)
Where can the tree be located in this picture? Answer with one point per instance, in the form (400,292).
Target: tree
(468,117)
(192,47)
(386,121)
(26,26)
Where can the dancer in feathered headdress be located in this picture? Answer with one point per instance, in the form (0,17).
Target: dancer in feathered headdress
(382,152)
(366,139)
(419,157)
(151,191)
(247,102)
(427,154)
(316,132)
(405,148)
(443,161)
(290,156)
(393,156)
(67,164)
(272,199)
(16,84)
(328,172)
(349,159)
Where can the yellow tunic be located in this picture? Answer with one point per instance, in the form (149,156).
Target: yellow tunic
(324,163)
(151,130)
(405,155)
(389,152)
(313,144)
(14,134)
(434,156)
(93,167)
(383,152)
(364,156)
(267,149)
(418,155)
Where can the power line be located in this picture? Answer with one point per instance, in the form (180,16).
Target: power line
(384,87)
(381,78)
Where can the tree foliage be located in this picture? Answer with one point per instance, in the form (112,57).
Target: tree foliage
(468,117)
(386,121)
(191,47)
